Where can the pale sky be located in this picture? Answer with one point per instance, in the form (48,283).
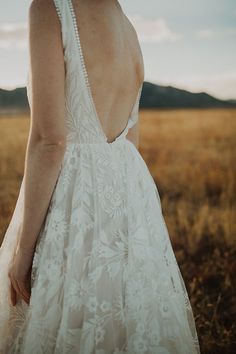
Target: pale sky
(185,43)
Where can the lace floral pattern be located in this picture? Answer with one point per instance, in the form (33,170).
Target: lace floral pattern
(104,276)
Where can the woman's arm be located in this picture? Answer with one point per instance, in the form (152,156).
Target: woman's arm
(47,137)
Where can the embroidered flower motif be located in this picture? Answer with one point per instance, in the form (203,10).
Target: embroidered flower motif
(138,344)
(92,304)
(140,328)
(105,306)
(58,226)
(110,199)
(99,335)
(164,309)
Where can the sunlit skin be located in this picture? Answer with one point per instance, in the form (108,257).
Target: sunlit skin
(115,76)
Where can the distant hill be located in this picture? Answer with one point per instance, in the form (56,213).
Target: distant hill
(14,100)
(153,96)
(232,101)
(157,96)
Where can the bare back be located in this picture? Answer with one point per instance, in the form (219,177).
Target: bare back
(113,59)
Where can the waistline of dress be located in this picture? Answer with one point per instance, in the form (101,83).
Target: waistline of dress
(102,143)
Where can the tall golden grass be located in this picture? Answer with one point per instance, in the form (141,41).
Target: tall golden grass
(191,155)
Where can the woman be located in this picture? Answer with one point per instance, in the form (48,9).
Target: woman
(87,258)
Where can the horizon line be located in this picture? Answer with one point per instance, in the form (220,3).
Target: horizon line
(12,88)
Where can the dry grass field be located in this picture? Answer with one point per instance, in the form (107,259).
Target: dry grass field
(192,157)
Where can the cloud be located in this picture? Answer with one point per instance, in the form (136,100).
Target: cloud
(13,35)
(153,31)
(208,33)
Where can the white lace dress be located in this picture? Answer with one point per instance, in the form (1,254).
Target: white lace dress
(104,276)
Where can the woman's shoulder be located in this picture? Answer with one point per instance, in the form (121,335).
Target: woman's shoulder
(42,15)
(130,26)
(45,8)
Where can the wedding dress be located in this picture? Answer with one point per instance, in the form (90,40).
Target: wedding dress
(104,276)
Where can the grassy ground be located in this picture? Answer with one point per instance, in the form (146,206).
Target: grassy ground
(192,157)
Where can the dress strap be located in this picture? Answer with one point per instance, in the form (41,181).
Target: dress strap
(58,8)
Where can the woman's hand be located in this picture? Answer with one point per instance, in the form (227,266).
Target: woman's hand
(20,275)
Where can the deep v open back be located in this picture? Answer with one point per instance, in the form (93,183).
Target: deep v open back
(104,277)
(133,117)
(83,122)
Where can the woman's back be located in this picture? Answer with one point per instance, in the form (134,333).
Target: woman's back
(113,59)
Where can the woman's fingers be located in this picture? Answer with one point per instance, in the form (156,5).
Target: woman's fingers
(24,290)
(20,288)
(12,294)
(15,290)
